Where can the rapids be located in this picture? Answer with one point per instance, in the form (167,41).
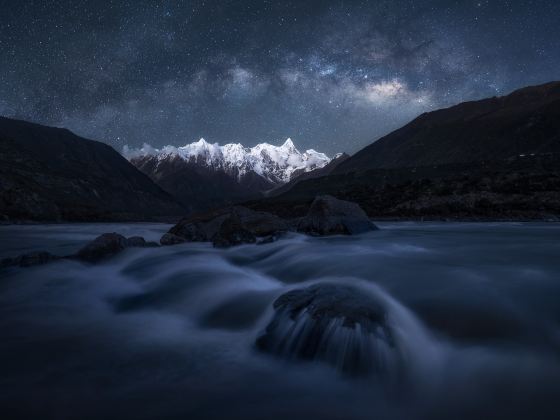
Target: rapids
(469,321)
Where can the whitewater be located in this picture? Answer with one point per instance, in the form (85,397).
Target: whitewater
(171,332)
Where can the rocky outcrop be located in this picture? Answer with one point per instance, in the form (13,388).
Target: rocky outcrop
(336,324)
(330,216)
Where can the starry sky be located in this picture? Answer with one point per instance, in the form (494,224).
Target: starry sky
(332,75)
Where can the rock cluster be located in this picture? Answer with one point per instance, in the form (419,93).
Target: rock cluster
(224,228)
(240,225)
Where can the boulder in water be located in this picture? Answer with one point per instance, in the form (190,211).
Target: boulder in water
(337,324)
(331,216)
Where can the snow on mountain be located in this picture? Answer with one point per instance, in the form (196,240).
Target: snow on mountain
(274,163)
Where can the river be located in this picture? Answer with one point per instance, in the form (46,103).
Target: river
(170,332)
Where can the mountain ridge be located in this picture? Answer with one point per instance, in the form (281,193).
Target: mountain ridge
(493,159)
(491,128)
(275,163)
(52,174)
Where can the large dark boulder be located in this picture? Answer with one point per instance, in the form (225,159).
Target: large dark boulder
(330,216)
(340,325)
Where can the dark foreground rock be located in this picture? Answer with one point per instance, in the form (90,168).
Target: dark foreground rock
(29,260)
(331,216)
(336,324)
(108,245)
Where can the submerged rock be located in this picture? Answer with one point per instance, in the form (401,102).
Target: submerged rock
(29,260)
(330,216)
(340,325)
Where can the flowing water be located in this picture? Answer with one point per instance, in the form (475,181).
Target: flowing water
(471,326)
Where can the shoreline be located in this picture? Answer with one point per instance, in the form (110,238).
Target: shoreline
(373,219)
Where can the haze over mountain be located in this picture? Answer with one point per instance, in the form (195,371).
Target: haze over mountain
(51,174)
(202,175)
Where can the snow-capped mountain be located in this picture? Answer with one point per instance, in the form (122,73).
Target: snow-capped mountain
(203,175)
(275,164)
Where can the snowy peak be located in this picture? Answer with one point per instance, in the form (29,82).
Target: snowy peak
(289,146)
(275,164)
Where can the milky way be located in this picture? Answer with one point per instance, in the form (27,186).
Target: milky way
(332,75)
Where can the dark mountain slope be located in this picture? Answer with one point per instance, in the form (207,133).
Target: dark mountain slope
(51,174)
(522,123)
(497,158)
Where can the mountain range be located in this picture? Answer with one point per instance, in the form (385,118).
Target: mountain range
(496,158)
(202,175)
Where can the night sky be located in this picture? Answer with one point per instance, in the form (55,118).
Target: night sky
(333,75)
